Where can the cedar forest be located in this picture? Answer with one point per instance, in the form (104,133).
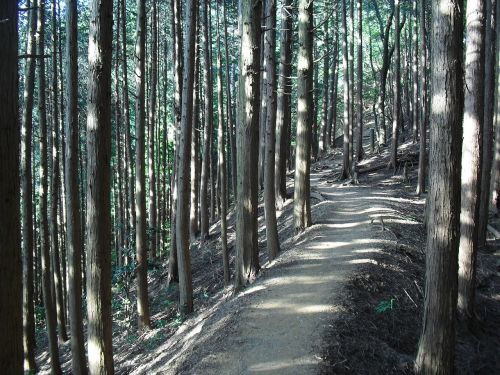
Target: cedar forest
(252,186)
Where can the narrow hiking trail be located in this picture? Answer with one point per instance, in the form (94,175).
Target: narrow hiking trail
(275,326)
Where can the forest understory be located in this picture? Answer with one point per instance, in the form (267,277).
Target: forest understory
(378,307)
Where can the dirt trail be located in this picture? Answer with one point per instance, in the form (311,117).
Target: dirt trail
(275,325)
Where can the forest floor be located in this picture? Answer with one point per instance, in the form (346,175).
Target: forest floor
(344,296)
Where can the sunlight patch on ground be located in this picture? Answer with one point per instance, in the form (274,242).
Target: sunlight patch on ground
(286,363)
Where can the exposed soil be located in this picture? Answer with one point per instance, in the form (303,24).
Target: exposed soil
(345,296)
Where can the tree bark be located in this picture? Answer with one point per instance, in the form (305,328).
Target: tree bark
(489,100)
(437,341)
(100,349)
(302,199)
(346,165)
(283,104)
(415,68)
(471,155)
(326,80)
(205,167)
(50,312)
(396,113)
(140,177)
(11,293)
(269,163)
(27,193)
(247,143)
(359,93)
(496,182)
(195,154)
(182,220)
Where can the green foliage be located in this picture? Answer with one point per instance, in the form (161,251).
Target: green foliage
(384,306)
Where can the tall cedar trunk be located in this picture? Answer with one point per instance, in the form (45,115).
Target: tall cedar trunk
(182,220)
(165,143)
(11,294)
(54,185)
(283,103)
(213,151)
(208,104)
(415,69)
(396,112)
(386,60)
(423,103)
(230,118)
(437,341)
(247,142)
(195,131)
(263,103)
(128,141)
(151,137)
(346,165)
(27,202)
(471,155)
(270,65)
(100,349)
(222,159)
(350,25)
(359,93)
(140,177)
(73,225)
(314,136)
(326,91)
(496,181)
(333,88)
(489,100)
(173,269)
(305,111)
(50,312)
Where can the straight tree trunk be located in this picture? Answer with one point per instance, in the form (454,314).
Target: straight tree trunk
(489,100)
(305,67)
(100,349)
(208,104)
(27,193)
(359,93)
(471,155)
(173,269)
(222,159)
(54,185)
(73,225)
(50,313)
(195,173)
(247,143)
(153,219)
(283,104)
(140,176)
(11,293)
(326,91)
(346,165)
(183,172)
(263,102)
(415,68)
(423,103)
(437,341)
(333,89)
(230,118)
(269,163)
(350,21)
(396,112)
(496,181)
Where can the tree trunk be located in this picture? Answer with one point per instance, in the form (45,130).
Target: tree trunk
(283,104)
(302,199)
(326,91)
(489,100)
(437,341)
(54,185)
(73,225)
(182,220)
(50,312)
(423,103)
(270,64)
(153,225)
(207,78)
(359,93)
(396,113)
(195,155)
(471,155)
(100,350)
(496,182)
(346,165)
(11,293)
(140,177)
(247,143)
(27,202)
(415,68)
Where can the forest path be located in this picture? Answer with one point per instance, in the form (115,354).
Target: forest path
(277,329)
